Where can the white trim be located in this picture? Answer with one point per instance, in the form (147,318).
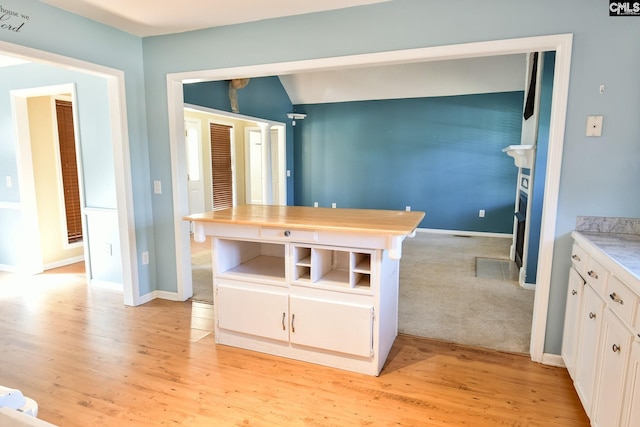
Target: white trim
(8,268)
(29,261)
(166,295)
(552,360)
(103,284)
(65,262)
(464,233)
(560,43)
(120,140)
(11,205)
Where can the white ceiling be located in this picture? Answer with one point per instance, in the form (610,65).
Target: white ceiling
(441,78)
(145,18)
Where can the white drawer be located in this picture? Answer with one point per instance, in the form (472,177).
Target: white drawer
(579,259)
(292,235)
(621,300)
(596,276)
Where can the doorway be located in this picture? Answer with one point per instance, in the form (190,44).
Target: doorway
(561,44)
(123,254)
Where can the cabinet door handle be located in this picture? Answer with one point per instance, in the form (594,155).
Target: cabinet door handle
(593,274)
(576,257)
(287,233)
(573,292)
(284,328)
(615,348)
(293,323)
(616,298)
(592,315)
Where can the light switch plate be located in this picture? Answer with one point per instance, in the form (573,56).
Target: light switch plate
(594,126)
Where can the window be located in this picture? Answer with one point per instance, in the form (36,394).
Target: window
(69,168)
(221,171)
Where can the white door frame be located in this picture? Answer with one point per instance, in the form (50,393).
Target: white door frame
(122,164)
(561,44)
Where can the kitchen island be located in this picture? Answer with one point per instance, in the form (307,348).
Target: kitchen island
(312,284)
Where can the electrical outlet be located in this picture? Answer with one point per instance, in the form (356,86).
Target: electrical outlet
(145,258)
(333,205)
(8,180)
(594,126)
(157,187)
(408,208)
(481,213)
(315,204)
(108,249)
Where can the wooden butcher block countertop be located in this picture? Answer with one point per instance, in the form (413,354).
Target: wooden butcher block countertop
(297,217)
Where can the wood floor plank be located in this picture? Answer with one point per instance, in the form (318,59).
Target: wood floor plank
(90,361)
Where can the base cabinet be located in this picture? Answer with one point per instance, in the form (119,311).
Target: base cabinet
(249,310)
(324,304)
(601,345)
(572,321)
(589,337)
(614,354)
(333,326)
(631,404)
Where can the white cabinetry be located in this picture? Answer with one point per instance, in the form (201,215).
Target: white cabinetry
(601,345)
(306,301)
(589,336)
(631,404)
(572,319)
(312,284)
(614,353)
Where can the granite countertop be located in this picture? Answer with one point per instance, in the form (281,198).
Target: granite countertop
(619,238)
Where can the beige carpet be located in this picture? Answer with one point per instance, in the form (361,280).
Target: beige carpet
(440,295)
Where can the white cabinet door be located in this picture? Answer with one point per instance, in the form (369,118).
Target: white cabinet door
(591,319)
(631,406)
(572,321)
(263,313)
(615,349)
(329,325)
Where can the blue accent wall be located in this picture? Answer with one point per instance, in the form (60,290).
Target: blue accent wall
(440,155)
(263,97)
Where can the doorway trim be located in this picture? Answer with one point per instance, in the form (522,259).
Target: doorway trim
(122,164)
(561,44)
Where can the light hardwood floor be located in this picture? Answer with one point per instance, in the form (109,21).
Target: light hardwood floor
(90,361)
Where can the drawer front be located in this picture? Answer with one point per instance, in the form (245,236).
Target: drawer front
(621,300)
(596,276)
(291,235)
(579,259)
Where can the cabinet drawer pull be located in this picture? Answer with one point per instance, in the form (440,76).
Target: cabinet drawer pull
(592,315)
(283,326)
(615,348)
(593,274)
(616,298)
(576,257)
(287,233)
(293,323)
(573,292)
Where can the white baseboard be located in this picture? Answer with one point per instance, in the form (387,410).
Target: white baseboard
(110,286)
(465,233)
(528,286)
(8,268)
(170,296)
(63,262)
(552,360)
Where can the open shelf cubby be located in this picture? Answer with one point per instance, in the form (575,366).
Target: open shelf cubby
(332,267)
(250,260)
